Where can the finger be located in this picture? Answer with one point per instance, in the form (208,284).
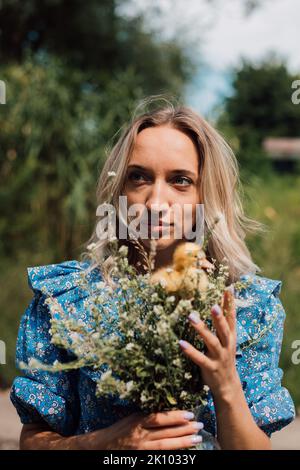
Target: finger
(196,356)
(229,309)
(204,263)
(221,325)
(211,340)
(174,431)
(173,443)
(167,418)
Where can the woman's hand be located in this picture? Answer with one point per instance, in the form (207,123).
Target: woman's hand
(217,366)
(162,431)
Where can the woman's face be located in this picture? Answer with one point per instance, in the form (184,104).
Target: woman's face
(163,171)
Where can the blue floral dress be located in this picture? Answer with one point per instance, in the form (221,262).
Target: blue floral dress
(66,400)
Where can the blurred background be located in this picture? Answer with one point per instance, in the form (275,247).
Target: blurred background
(74,71)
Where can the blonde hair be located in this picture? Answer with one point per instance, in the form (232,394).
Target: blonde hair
(219,190)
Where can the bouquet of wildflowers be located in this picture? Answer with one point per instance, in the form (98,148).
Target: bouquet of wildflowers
(146,365)
(139,347)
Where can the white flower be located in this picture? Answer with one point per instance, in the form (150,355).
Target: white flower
(74,337)
(158,309)
(185,303)
(123,250)
(162,327)
(169,270)
(106,374)
(111,173)
(177,362)
(129,385)
(91,246)
(163,282)
(154,297)
(143,397)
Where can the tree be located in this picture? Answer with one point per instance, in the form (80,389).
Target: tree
(260,106)
(91,36)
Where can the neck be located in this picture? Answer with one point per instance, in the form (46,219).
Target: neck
(162,259)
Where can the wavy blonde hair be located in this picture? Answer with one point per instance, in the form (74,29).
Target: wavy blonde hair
(219,187)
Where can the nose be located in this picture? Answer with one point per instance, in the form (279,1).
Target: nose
(157,200)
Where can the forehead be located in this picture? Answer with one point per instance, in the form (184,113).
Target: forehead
(164,144)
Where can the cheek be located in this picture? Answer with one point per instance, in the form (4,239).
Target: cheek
(188,208)
(133,197)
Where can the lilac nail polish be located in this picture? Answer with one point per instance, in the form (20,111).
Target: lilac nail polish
(194,317)
(183,344)
(195,439)
(189,415)
(231,288)
(216,310)
(198,425)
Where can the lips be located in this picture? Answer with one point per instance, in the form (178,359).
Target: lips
(161,223)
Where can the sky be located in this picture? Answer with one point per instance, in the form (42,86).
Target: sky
(222,34)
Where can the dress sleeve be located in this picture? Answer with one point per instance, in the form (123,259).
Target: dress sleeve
(42,396)
(270,403)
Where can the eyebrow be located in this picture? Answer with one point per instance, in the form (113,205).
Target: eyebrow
(177,171)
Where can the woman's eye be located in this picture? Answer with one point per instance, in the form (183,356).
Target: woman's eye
(182,181)
(136,177)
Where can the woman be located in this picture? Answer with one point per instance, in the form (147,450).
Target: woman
(166,156)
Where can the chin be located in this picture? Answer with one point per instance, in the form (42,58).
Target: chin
(161,243)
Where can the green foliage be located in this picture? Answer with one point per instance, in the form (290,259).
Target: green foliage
(92,36)
(54,131)
(275,202)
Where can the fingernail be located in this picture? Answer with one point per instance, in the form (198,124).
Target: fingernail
(231,288)
(198,425)
(189,415)
(196,439)
(194,317)
(183,344)
(216,310)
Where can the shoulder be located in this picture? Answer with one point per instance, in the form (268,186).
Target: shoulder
(55,278)
(258,287)
(62,280)
(258,293)
(63,283)
(259,308)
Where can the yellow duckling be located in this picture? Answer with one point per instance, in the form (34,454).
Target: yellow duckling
(170,279)
(184,273)
(186,254)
